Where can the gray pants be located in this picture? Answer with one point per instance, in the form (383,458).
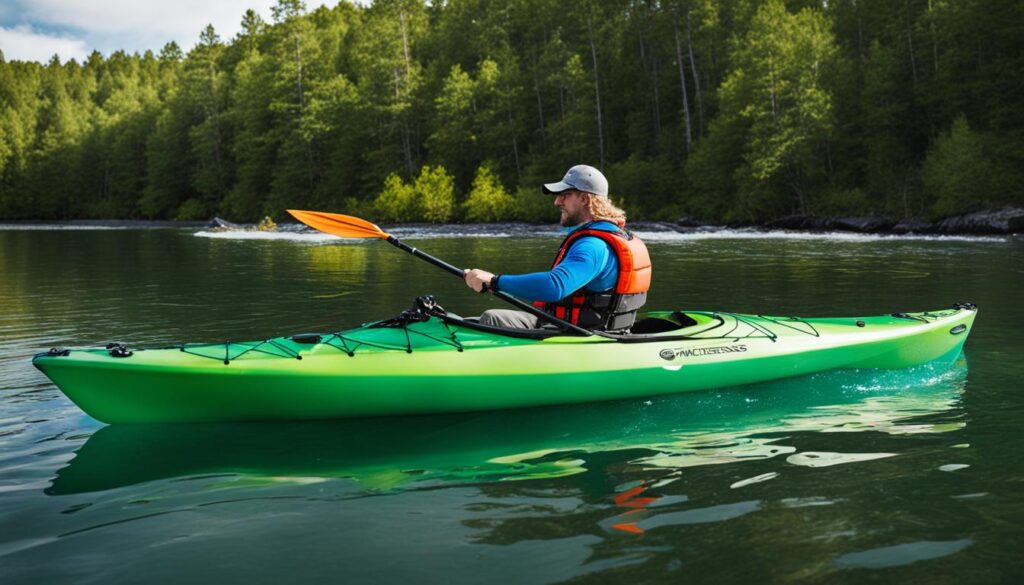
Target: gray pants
(509,318)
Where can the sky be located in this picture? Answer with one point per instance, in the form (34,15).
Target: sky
(35,30)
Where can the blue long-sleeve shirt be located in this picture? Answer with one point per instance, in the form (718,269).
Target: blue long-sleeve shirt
(589,264)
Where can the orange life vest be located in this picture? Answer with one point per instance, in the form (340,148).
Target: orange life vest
(613,310)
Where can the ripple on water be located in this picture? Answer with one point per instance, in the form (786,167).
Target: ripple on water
(756,479)
(901,554)
(824,459)
(704,515)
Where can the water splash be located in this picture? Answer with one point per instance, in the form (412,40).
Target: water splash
(282,236)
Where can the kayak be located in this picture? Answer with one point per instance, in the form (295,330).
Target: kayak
(427,361)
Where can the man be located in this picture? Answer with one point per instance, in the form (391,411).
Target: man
(601,272)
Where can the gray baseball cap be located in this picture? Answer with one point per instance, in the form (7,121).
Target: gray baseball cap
(580,178)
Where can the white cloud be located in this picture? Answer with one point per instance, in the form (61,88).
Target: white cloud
(21,43)
(179,19)
(134,25)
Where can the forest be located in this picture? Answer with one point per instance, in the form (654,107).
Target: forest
(457,110)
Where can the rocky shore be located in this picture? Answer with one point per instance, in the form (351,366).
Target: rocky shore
(991,222)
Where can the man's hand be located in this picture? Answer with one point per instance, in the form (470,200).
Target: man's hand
(476,279)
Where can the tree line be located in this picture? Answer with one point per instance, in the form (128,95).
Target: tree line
(722,110)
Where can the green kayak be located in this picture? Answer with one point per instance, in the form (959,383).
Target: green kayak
(426,361)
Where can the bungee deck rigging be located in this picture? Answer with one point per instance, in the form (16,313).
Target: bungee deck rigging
(229,351)
(425,308)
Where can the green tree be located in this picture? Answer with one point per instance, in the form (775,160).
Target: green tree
(776,92)
(63,123)
(333,120)
(253,145)
(5,150)
(253,28)
(205,89)
(430,198)
(957,172)
(293,54)
(167,166)
(888,164)
(126,104)
(435,194)
(488,200)
(389,78)
(397,200)
(454,140)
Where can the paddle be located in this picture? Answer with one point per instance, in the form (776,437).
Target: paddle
(347,226)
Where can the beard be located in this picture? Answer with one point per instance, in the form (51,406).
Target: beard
(569,219)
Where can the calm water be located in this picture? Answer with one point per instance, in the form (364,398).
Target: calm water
(910,476)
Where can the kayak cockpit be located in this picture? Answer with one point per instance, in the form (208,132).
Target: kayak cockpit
(653,326)
(663,322)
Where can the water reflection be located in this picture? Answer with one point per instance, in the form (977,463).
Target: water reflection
(667,434)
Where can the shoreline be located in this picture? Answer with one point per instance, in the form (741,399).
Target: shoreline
(1007,221)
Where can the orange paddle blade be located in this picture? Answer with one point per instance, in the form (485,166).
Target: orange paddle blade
(345,226)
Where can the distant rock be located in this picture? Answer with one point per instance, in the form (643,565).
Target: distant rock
(652,226)
(689,222)
(801,222)
(913,225)
(1004,221)
(742,223)
(870,224)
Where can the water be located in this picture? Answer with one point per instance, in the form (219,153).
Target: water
(913,475)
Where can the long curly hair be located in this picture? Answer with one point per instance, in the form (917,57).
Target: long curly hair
(602,208)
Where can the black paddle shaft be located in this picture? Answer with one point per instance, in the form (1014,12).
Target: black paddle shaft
(561,323)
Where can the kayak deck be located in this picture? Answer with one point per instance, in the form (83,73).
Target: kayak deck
(446,364)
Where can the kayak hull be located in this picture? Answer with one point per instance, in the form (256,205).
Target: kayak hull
(442,366)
